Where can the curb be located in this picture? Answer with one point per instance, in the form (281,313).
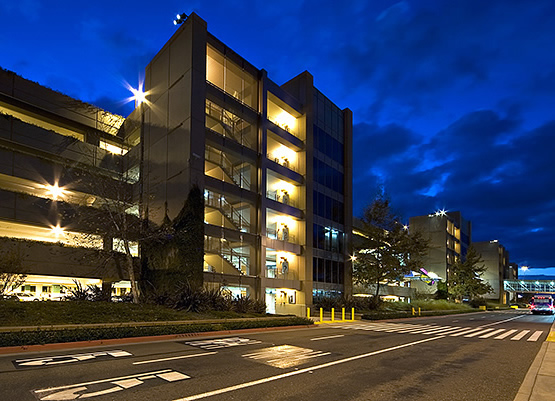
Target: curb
(130,340)
(529,383)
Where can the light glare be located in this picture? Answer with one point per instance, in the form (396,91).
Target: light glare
(55,191)
(58,231)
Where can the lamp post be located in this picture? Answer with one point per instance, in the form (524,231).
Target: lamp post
(179,19)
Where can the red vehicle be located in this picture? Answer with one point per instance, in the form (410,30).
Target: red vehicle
(542,304)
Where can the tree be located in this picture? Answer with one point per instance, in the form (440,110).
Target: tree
(465,278)
(387,251)
(174,258)
(12,271)
(106,218)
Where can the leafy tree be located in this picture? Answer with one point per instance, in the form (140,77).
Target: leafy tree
(174,257)
(387,251)
(12,270)
(465,280)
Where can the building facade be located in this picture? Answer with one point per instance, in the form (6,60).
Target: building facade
(450,235)
(49,145)
(273,164)
(496,260)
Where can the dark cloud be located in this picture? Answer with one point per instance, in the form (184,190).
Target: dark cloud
(503,186)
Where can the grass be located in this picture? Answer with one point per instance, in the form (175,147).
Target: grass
(396,310)
(13,313)
(33,314)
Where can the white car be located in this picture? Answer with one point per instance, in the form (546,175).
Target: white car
(27,296)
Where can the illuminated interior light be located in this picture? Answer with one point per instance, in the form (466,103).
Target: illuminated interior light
(112,148)
(285,121)
(55,191)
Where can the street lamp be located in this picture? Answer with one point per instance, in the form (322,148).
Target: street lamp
(179,19)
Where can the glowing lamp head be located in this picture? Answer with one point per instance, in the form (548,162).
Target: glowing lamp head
(55,191)
(58,231)
(138,95)
(179,19)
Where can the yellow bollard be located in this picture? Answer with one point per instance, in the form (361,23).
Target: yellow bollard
(308,313)
(342,314)
(332,314)
(413,312)
(321,314)
(352,314)
(419,314)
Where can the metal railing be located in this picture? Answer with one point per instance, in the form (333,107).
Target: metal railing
(230,125)
(222,248)
(280,235)
(282,161)
(285,199)
(231,170)
(227,209)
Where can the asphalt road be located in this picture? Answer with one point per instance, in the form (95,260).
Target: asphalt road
(480,356)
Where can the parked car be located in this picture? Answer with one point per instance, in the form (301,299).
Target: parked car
(27,296)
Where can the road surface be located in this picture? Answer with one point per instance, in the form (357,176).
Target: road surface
(479,356)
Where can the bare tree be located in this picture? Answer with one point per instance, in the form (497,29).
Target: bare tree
(12,270)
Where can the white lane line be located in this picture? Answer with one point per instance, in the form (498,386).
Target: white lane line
(104,381)
(505,335)
(502,321)
(535,336)
(477,333)
(300,371)
(325,338)
(492,333)
(520,335)
(173,357)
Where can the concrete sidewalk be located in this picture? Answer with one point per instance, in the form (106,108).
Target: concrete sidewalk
(539,383)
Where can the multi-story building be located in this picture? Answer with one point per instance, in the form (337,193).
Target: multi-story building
(496,260)
(49,145)
(273,163)
(450,236)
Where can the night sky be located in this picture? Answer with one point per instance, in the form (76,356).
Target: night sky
(453,101)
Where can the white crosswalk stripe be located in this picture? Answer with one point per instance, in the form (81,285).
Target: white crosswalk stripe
(477,333)
(505,335)
(520,335)
(491,334)
(535,336)
(452,331)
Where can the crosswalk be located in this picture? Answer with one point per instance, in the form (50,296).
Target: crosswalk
(481,332)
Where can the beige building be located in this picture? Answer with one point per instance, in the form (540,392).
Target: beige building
(449,235)
(273,163)
(496,261)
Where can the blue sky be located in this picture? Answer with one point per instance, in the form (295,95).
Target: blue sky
(452,101)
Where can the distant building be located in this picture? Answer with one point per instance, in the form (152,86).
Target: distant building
(450,236)
(512,272)
(496,261)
